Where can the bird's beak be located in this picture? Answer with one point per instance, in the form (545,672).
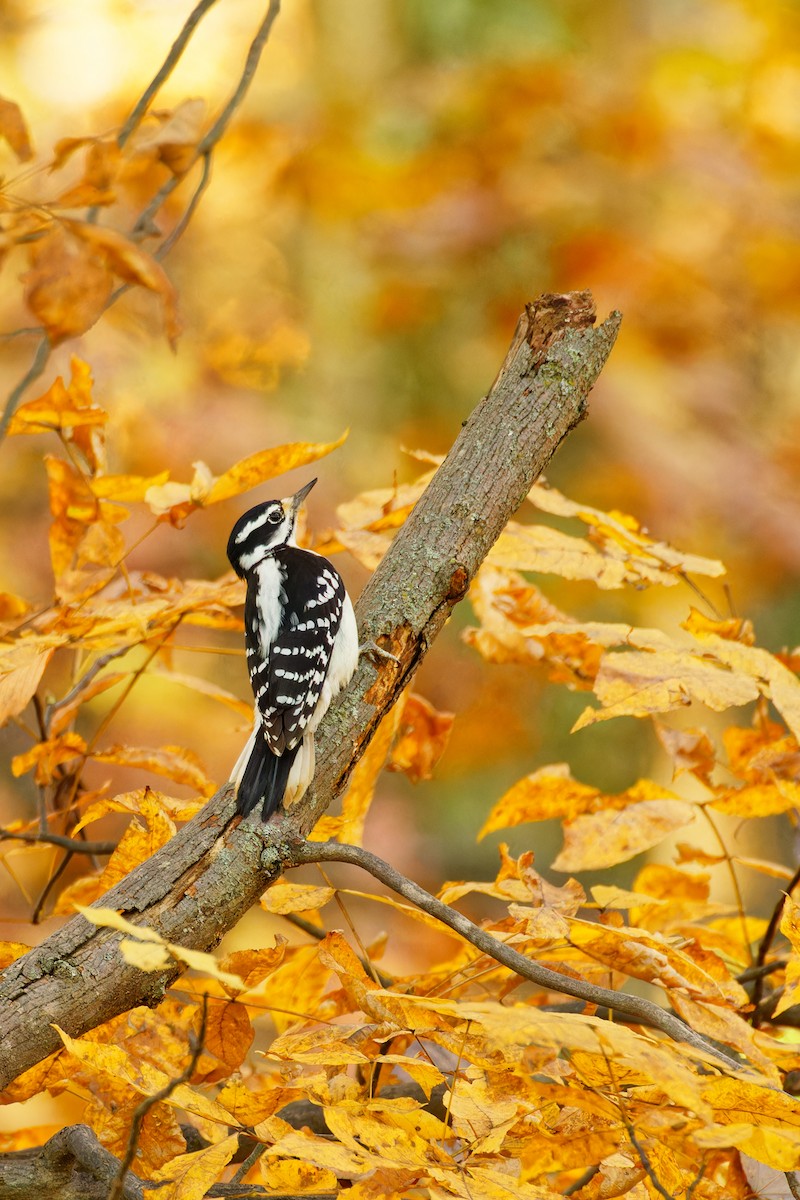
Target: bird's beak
(294,502)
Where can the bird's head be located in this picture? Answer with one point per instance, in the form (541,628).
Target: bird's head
(262,529)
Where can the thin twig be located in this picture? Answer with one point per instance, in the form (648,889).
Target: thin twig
(169,241)
(34,371)
(213,135)
(48,887)
(587,1177)
(164,71)
(621,1002)
(759,972)
(75,845)
(141,1110)
(793,1180)
(82,683)
(767,940)
(250,1161)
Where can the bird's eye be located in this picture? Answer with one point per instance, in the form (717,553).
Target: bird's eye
(275,516)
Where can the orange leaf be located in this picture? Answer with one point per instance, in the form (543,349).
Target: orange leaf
(549,792)
(252,966)
(603,839)
(174,135)
(133,264)
(48,756)
(176,762)
(67,287)
(265,464)
(690,750)
(14,130)
(229,1032)
(59,408)
(423,737)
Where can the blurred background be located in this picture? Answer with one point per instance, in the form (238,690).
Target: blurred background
(402,177)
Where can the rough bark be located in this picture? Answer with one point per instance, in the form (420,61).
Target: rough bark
(196,888)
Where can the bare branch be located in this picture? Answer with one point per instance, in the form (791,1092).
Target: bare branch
(74,845)
(628,1006)
(164,71)
(209,141)
(765,945)
(34,371)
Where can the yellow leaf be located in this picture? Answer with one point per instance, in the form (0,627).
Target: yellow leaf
(506,606)
(109,918)
(207,964)
(506,1031)
(549,792)
(758,799)
(295,897)
(46,757)
(144,955)
(265,464)
(614,897)
(21,669)
(176,762)
(126,488)
(321,1152)
(622,531)
(10,951)
(383,508)
(723,1025)
(366,547)
(651,958)
(548,551)
(67,287)
(604,839)
(295,988)
(292,1177)
(638,683)
(773,1116)
(191,1175)
(790,928)
(59,408)
(320,1045)
(173,135)
(141,1075)
(253,1100)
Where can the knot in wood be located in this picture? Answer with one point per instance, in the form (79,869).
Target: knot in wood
(459,582)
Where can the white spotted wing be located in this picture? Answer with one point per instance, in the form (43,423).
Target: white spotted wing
(290,659)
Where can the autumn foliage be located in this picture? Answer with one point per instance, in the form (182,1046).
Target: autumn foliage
(434,1071)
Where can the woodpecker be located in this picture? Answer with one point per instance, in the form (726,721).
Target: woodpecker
(302,649)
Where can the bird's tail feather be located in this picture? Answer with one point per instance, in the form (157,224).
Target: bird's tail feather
(264,778)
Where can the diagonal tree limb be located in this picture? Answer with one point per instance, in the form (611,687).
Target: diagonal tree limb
(215,868)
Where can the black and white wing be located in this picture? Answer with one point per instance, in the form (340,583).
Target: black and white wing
(288,664)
